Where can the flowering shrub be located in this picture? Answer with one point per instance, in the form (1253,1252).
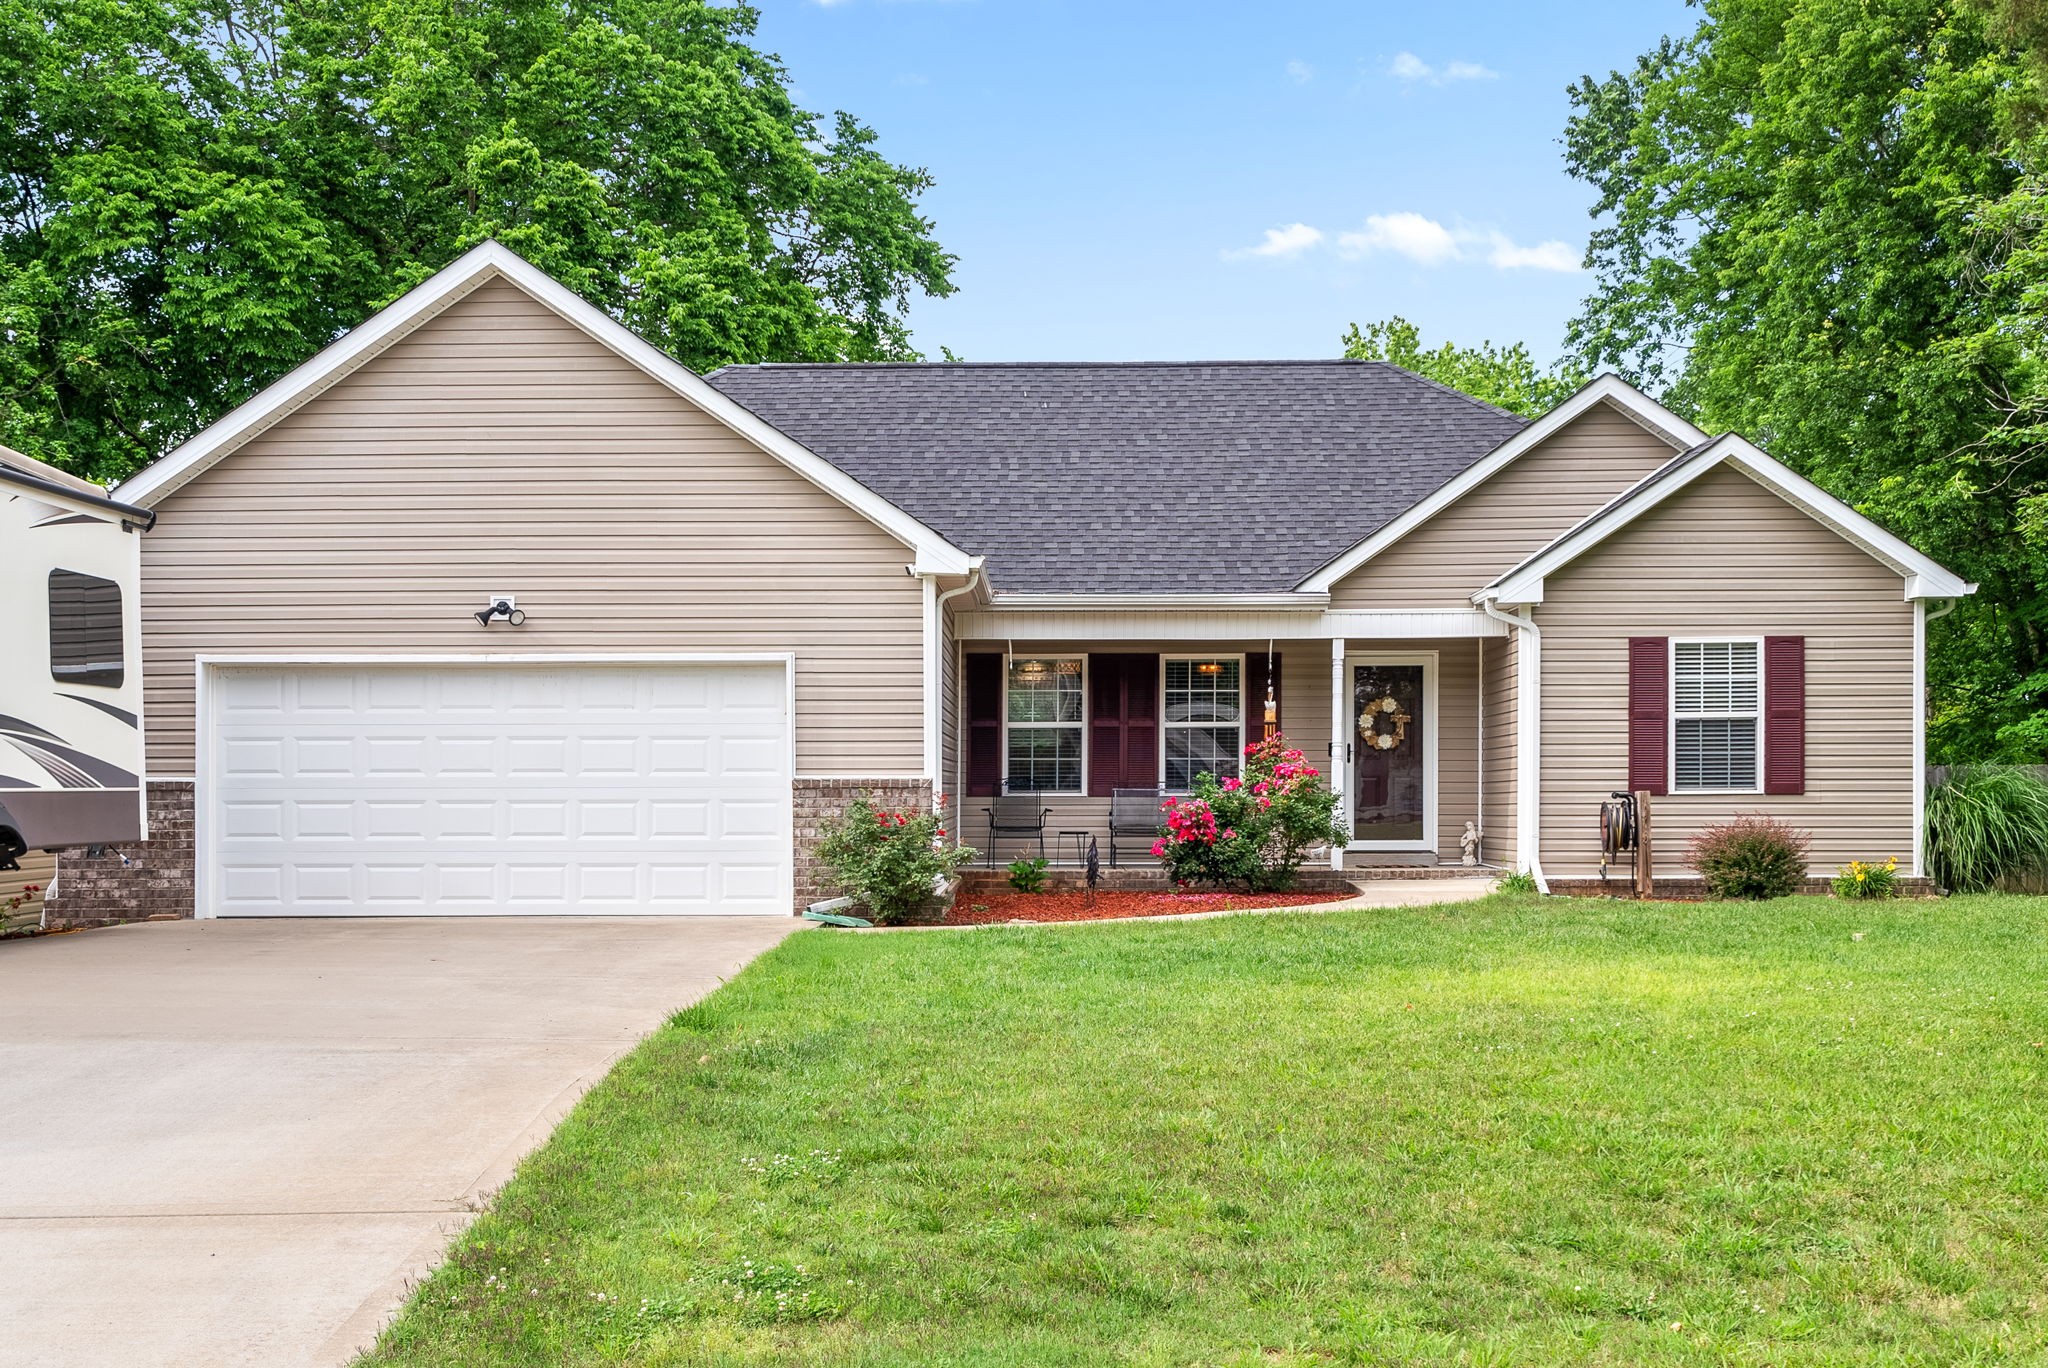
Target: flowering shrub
(890,861)
(1859,880)
(1254,830)
(1754,856)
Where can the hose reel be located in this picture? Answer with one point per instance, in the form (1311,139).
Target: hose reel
(1620,830)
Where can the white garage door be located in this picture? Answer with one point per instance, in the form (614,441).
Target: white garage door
(410,790)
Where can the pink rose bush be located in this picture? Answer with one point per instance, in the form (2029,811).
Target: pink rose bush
(1253,830)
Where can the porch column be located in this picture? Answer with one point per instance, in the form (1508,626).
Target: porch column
(1340,744)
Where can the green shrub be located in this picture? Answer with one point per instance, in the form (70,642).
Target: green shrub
(1859,880)
(1520,882)
(1027,875)
(1986,822)
(890,860)
(1753,857)
(1255,830)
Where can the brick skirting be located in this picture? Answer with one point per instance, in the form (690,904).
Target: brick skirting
(134,881)
(818,801)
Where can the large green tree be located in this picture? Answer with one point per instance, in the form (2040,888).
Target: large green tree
(1808,232)
(195,195)
(1506,377)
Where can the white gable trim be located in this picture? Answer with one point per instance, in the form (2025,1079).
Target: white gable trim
(1661,422)
(935,555)
(1924,578)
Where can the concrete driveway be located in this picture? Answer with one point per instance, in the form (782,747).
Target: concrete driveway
(237,1142)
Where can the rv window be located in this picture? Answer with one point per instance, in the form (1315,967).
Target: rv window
(85,629)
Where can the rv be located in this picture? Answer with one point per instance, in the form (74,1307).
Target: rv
(71,766)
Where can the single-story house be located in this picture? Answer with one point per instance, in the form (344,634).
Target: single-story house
(492,607)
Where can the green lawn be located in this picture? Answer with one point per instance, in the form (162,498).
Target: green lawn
(1507,1132)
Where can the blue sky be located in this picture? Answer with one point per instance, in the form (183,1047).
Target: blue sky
(1166,182)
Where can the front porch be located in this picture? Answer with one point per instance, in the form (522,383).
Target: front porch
(1061,725)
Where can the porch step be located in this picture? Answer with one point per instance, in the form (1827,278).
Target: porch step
(1366,873)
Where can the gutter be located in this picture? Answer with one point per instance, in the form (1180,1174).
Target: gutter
(1528,740)
(1300,602)
(145,518)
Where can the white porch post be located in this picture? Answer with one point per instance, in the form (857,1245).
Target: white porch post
(1340,744)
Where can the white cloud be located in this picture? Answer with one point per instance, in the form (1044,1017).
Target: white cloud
(1406,66)
(1301,73)
(1421,240)
(1292,240)
(1544,256)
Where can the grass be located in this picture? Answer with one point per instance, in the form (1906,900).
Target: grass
(1506,1132)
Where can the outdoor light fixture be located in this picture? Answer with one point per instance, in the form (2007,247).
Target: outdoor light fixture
(501,606)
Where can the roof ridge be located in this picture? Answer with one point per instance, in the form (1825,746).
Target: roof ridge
(1047,365)
(1451,389)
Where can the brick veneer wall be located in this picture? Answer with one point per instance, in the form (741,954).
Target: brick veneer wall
(820,800)
(154,885)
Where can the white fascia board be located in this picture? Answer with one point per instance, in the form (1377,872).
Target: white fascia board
(1289,601)
(1923,577)
(1607,389)
(935,555)
(1198,628)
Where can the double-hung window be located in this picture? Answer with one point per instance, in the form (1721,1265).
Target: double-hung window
(1716,704)
(1043,707)
(1204,720)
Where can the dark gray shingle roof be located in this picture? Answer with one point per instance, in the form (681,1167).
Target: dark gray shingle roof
(1216,477)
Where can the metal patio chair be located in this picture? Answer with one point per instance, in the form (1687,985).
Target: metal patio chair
(1016,814)
(1134,812)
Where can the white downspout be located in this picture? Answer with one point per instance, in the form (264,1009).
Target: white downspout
(1921,617)
(935,692)
(1528,740)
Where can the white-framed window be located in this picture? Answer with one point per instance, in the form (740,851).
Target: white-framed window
(1204,718)
(1044,733)
(1717,704)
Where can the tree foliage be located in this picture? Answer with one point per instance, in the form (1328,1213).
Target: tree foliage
(1506,377)
(196,194)
(1820,224)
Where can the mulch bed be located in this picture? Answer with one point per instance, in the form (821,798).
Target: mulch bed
(1072,907)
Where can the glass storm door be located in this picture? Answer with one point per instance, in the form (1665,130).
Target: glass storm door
(1393,795)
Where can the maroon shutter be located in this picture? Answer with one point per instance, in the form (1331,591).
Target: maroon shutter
(1123,722)
(1649,713)
(1784,714)
(984,722)
(1105,724)
(1255,680)
(1141,721)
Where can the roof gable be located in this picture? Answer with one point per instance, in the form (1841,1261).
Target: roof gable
(1610,390)
(492,260)
(1923,577)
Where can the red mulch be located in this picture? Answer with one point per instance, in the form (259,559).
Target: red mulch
(1073,907)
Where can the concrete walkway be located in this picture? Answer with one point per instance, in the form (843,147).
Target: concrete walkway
(237,1142)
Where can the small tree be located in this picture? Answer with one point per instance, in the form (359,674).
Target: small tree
(890,861)
(1255,830)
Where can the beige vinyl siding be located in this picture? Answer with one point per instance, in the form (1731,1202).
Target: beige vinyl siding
(1522,508)
(1727,557)
(499,448)
(1499,686)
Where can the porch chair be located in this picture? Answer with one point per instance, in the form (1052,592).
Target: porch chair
(1134,812)
(1016,814)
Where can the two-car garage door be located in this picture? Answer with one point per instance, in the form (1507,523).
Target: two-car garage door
(449,788)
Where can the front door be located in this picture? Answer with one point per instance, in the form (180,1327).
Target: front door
(1393,747)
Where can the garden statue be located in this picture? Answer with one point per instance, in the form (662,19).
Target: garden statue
(1469,842)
